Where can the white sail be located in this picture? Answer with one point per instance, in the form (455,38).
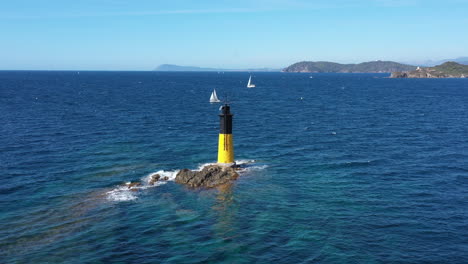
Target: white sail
(214,97)
(249,84)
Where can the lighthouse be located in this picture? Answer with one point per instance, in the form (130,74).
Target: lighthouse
(225,143)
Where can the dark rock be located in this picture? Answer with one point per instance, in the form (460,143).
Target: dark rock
(209,177)
(165,178)
(154,178)
(133,184)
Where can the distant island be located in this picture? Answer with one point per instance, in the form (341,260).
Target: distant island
(446,70)
(399,70)
(172,67)
(365,67)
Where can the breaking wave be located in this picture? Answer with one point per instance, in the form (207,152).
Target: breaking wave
(129,190)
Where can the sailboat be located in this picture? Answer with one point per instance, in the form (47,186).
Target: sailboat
(249,84)
(214,97)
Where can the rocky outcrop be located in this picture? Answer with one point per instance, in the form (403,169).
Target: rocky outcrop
(422,73)
(446,70)
(209,177)
(399,75)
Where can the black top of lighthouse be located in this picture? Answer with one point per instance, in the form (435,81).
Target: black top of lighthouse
(225,110)
(225,120)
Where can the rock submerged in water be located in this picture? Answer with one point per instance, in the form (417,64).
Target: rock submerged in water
(209,177)
(131,185)
(154,178)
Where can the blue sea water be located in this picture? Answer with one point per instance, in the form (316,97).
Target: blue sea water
(341,168)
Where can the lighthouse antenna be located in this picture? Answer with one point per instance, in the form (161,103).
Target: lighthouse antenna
(227,100)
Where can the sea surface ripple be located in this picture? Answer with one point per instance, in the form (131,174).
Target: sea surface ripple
(341,168)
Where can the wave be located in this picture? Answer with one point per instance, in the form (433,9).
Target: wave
(250,165)
(121,193)
(129,191)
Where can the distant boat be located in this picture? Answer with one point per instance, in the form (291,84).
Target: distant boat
(250,84)
(214,97)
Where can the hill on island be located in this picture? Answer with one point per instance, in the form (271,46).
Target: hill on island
(452,68)
(446,70)
(365,67)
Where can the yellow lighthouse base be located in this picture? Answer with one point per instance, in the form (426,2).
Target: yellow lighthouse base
(225,150)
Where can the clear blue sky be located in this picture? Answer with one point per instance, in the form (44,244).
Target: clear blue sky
(141,34)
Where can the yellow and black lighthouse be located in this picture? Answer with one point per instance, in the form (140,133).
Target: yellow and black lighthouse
(225,143)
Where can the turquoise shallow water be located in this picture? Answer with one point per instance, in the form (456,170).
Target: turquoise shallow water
(363,169)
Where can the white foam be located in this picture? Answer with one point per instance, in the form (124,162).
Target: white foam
(169,174)
(256,168)
(203,166)
(121,193)
(126,193)
(243,162)
(249,165)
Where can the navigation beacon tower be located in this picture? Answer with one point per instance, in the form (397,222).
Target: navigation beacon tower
(225,143)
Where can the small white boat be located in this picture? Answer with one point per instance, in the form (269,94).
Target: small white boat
(214,97)
(250,84)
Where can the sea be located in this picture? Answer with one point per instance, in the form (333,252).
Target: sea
(338,168)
